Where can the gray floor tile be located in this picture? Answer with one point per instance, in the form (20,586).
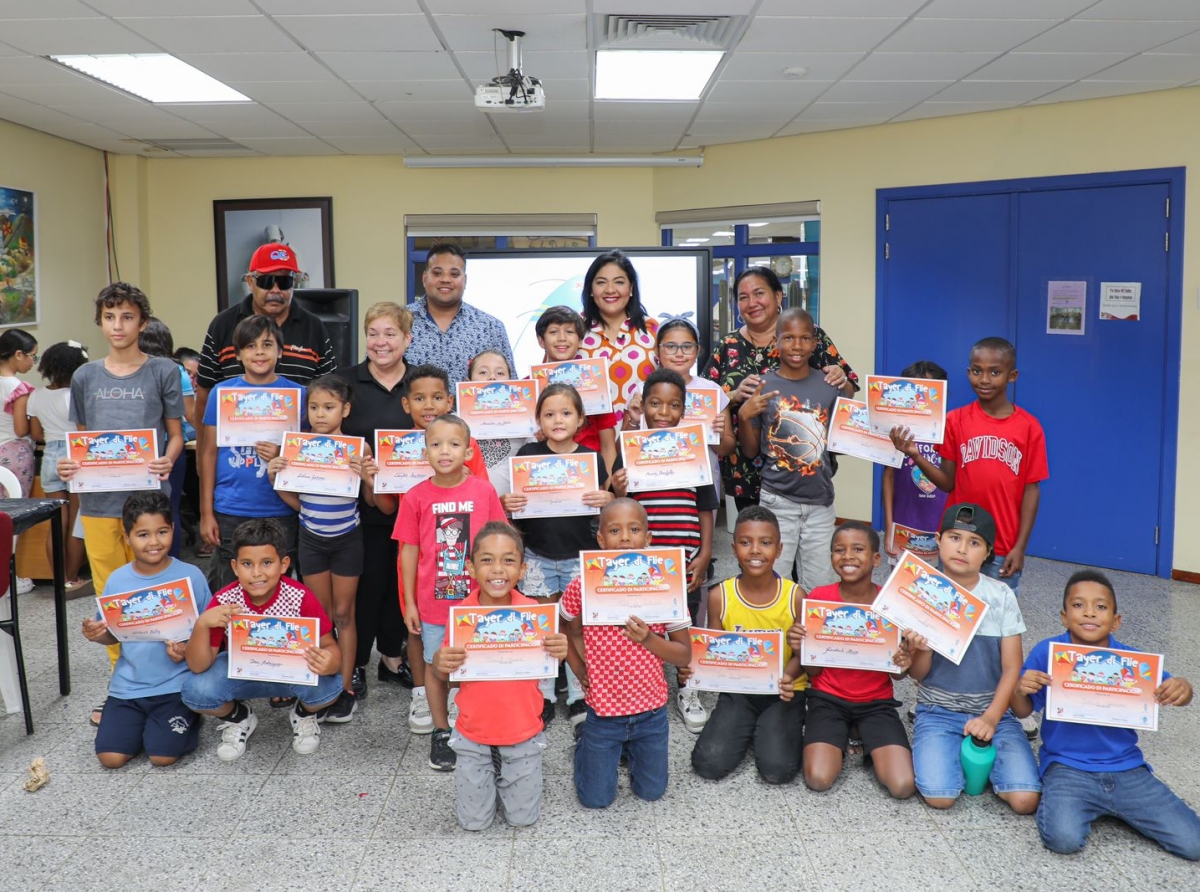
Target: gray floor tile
(420,807)
(472,863)
(214,805)
(707,807)
(305,858)
(69,805)
(106,863)
(736,863)
(897,860)
(855,801)
(581,865)
(563,816)
(1017,854)
(330,807)
(29,861)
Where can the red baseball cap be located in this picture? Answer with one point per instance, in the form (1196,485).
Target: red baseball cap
(273,257)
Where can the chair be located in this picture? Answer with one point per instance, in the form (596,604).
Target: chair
(12,657)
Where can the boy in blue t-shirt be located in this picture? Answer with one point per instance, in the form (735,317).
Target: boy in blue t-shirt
(144,710)
(1093,771)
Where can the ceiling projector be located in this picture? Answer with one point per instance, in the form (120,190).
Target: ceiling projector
(514,91)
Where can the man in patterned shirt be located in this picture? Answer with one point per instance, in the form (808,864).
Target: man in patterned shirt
(447,332)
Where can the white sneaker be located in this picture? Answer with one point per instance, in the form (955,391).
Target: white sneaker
(234,736)
(306,731)
(24,585)
(452,707)
(1029,725)
(691,709)
(420,719)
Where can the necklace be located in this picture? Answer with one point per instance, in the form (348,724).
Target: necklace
(749,335)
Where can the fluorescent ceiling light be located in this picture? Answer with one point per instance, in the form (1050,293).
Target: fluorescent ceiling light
(156,77)
(724,234)
(756,225)
(666,75)
(553,160)
(696,240)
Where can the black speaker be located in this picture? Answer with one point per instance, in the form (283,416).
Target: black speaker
(338,309)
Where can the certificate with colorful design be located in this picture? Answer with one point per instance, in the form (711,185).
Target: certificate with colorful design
(747,662)
(504,643)
(588,376)
(917,597)
(247,415)
(319,464)
(850,434)
(113,461)
(498,409)
(916,403)
(400,458)
(702,404)
(847,636)
(271,648)
(555,484)
(922,543)
(666,458)
(1103,686)
(649,583)
(166,612)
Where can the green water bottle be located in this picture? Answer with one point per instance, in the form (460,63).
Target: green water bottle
(977,759)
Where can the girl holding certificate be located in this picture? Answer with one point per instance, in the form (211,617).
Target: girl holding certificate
(491,365)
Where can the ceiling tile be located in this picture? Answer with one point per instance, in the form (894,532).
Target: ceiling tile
(828,35)
(462,145)
(852,111)
(747,66)
(634,146)
(97,137)
(303,112)
(857,8)
(963,35)
(473,33)
(883,91)
(703,131)
(1097,89)
(247,34)
(1010,92)
(295,91)
(676,7)
(297,145)
(119,8)
(760,112)
(790,93)
(413,91)
(1015,9)
(383,66)
(566,88)
(1144,10)
(35,70)
(344,7)
(1047,66)
(373,145)
(330,129)
(1106,37)
(918,66)
(483,67)
(1159,67)
(234,121)
(421,130)
(563,110)
(352,33)
(511,7)
(1189,44)
(632,129)
(643,111)
(45,9)
(44,37)
(432,111)
(946,109)
(86,92)
(230,67)
(813,126)
(558,143)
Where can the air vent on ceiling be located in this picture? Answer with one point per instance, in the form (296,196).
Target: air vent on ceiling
(668,32)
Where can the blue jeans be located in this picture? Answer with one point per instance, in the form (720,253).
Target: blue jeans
(1072,799)
(937,740)
(993,570)
(213,688)
(602,738)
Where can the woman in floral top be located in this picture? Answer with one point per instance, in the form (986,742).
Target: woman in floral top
(618,327)
(745,354)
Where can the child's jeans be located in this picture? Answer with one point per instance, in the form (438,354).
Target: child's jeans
(1072,799)
(773,727)
(936,744)
(512,773)
(804,535)
(602,738)
(213,688)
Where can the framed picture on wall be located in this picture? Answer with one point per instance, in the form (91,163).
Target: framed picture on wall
(241,225)
(19,304)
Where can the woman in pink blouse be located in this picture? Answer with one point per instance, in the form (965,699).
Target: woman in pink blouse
(618,327)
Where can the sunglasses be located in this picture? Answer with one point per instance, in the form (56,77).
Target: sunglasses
(267,282)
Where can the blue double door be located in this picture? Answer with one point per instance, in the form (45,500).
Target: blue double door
(960,263)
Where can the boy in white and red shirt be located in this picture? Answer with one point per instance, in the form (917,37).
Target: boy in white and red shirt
(622,671)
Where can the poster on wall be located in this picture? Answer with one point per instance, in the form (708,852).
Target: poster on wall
(1120,301)
(1066,308)
(18,259)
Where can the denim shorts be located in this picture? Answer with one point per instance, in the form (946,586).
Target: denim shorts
(432,636)
(54,450)
(213,687)
(937,740)
(545,576)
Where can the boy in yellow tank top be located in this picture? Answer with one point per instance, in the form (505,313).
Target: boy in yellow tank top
(757,599)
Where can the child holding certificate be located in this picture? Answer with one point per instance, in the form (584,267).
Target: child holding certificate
(261,560)
(553,543)
(144,709)
(677,346)
(1093,771)
(498,738)
(756,599)
(621,668)
(973,696)
(492,365)
(840,698)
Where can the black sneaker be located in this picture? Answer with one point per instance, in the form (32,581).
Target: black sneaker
(577,712)
(560,683)
(441,757)
(548,710)
(358,682)
(341,710)
(402,677)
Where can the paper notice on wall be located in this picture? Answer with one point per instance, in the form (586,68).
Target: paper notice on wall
(1121,301)
(1066,306)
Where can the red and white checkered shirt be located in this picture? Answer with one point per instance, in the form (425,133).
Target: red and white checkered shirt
(624,678)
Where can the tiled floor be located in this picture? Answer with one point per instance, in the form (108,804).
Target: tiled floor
(365,812)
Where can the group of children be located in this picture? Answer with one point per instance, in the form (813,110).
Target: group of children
(458,547)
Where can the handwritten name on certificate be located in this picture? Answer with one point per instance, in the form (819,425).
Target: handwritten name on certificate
(916,403)
(504,643)
(319,464)
(1103,686)
(847,636)
(166,612)
(555,484)
(588,376)
(919,598)
(271,648)
(703,402)
(498,409)
(113,461)
(850,434)
(649,583)
(248,415)
(746,662)
(666,458)
(400,458)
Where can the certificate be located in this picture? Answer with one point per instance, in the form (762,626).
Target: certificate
(504,643)
(921,543)
(666,458)
(166,612)
(649,583)
(113,461)
(847,636)
(498,409)
(1103,686)
(747,662)
(919,598)
(319,464)
(400,457)
(246,415)
(555,484)
(702,404)
(916,403)
(850,434)
(588,376)
(271,648)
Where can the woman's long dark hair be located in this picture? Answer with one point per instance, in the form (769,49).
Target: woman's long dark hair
(634,310)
